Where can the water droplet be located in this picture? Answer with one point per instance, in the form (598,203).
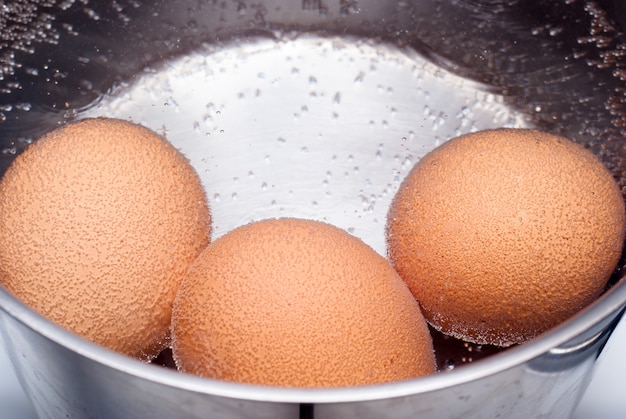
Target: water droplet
(242,8)
(92,14)
(86,84)
(555,31)
(25,141)
(449,364)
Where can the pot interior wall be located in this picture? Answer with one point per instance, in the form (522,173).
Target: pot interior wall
(559,65)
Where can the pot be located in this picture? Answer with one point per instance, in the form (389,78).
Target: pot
(314,109)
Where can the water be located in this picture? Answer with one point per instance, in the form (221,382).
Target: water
(322,127)
(305,126)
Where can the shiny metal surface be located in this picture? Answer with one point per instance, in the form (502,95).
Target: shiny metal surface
(254,93)
(65,375)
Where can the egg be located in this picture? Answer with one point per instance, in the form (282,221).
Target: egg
(99,221)
(503,234)
(298,303)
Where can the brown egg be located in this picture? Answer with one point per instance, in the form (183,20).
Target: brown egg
(298,303)
(99,220)
(503,234)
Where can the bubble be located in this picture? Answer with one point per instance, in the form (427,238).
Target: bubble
(449,364)
(92,14)
(359,77)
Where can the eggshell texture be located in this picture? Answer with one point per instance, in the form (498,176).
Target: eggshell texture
(503,234)
(99,220)
(298,303)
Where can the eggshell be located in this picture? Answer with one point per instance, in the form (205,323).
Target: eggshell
(298,303)
(99,221)
(503,234)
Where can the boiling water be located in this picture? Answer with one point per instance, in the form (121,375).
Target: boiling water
(309,126)
(321,128)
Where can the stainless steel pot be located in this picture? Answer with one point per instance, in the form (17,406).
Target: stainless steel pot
(348,93)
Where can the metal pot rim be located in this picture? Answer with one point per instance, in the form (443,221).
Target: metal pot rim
(607,305)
